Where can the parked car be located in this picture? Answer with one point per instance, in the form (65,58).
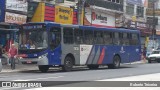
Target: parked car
(154,56)
(0,65)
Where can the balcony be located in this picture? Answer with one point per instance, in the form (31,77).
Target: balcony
(106,4)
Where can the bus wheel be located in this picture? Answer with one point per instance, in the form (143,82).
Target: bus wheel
(116,63)
(68,64)
(43,68)
(158,61)
(93,66)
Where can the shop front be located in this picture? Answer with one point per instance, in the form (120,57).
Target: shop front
(8,35)
(12,14)
(45,12)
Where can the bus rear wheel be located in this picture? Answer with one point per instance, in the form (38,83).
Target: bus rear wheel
(43,68)
(93,66)
(116,63)
(68,64)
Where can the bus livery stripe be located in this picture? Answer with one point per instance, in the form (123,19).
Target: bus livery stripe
(100,61)
(91,56)
(95,60)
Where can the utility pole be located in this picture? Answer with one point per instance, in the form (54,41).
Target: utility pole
(154,24)
(80,7)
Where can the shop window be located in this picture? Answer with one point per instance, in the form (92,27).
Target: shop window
(130,9)
(140,11)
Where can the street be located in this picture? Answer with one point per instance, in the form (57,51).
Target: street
(127,72)
(81,73)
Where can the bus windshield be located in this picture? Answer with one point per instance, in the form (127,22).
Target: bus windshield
(33,39)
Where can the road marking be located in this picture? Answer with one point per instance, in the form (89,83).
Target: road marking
(38,78)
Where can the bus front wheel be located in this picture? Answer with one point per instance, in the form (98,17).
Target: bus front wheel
(68,64)
(116,63)
(43,68)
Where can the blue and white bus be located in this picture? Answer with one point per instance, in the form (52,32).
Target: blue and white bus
(51,44)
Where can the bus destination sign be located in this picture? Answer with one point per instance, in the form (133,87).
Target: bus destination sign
(27,27)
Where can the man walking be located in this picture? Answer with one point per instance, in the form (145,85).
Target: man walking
(12,55)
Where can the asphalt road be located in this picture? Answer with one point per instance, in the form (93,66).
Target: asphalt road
(82,74)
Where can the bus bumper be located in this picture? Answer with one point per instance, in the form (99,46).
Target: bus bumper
(38,61)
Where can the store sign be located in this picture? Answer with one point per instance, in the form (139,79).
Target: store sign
(15,18)
(96,18)
(18,5)
(63,15)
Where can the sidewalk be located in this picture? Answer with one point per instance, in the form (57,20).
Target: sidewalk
(19,67)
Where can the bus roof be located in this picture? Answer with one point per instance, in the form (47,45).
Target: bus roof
(86,27)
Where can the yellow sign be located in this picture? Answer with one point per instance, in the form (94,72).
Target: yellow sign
(134,18)
(63,15)
(39,14)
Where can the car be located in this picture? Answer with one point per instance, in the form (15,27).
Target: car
(154,56)
(0,65)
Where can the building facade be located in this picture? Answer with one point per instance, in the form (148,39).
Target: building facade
(153,19)
(103,13)
(135,18)
(12,14)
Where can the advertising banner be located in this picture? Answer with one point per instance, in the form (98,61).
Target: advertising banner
(96,18)
(18,5)
(63,15)
(15,18)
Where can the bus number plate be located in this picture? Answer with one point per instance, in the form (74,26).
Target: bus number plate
(29,62)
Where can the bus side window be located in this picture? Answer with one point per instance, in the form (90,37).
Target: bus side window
(134,39)
(68,35)
(121,39)
(107,38)
(78,36)
(88,37)
(98,37)
(55,37)
(116,40)
(125,39)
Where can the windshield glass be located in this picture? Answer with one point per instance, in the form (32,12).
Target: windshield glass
(33,39)
(156,52)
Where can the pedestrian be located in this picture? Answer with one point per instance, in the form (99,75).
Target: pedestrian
(5,55)
(12,55)
(144,53)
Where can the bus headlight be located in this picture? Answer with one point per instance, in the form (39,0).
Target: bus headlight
(44,55)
